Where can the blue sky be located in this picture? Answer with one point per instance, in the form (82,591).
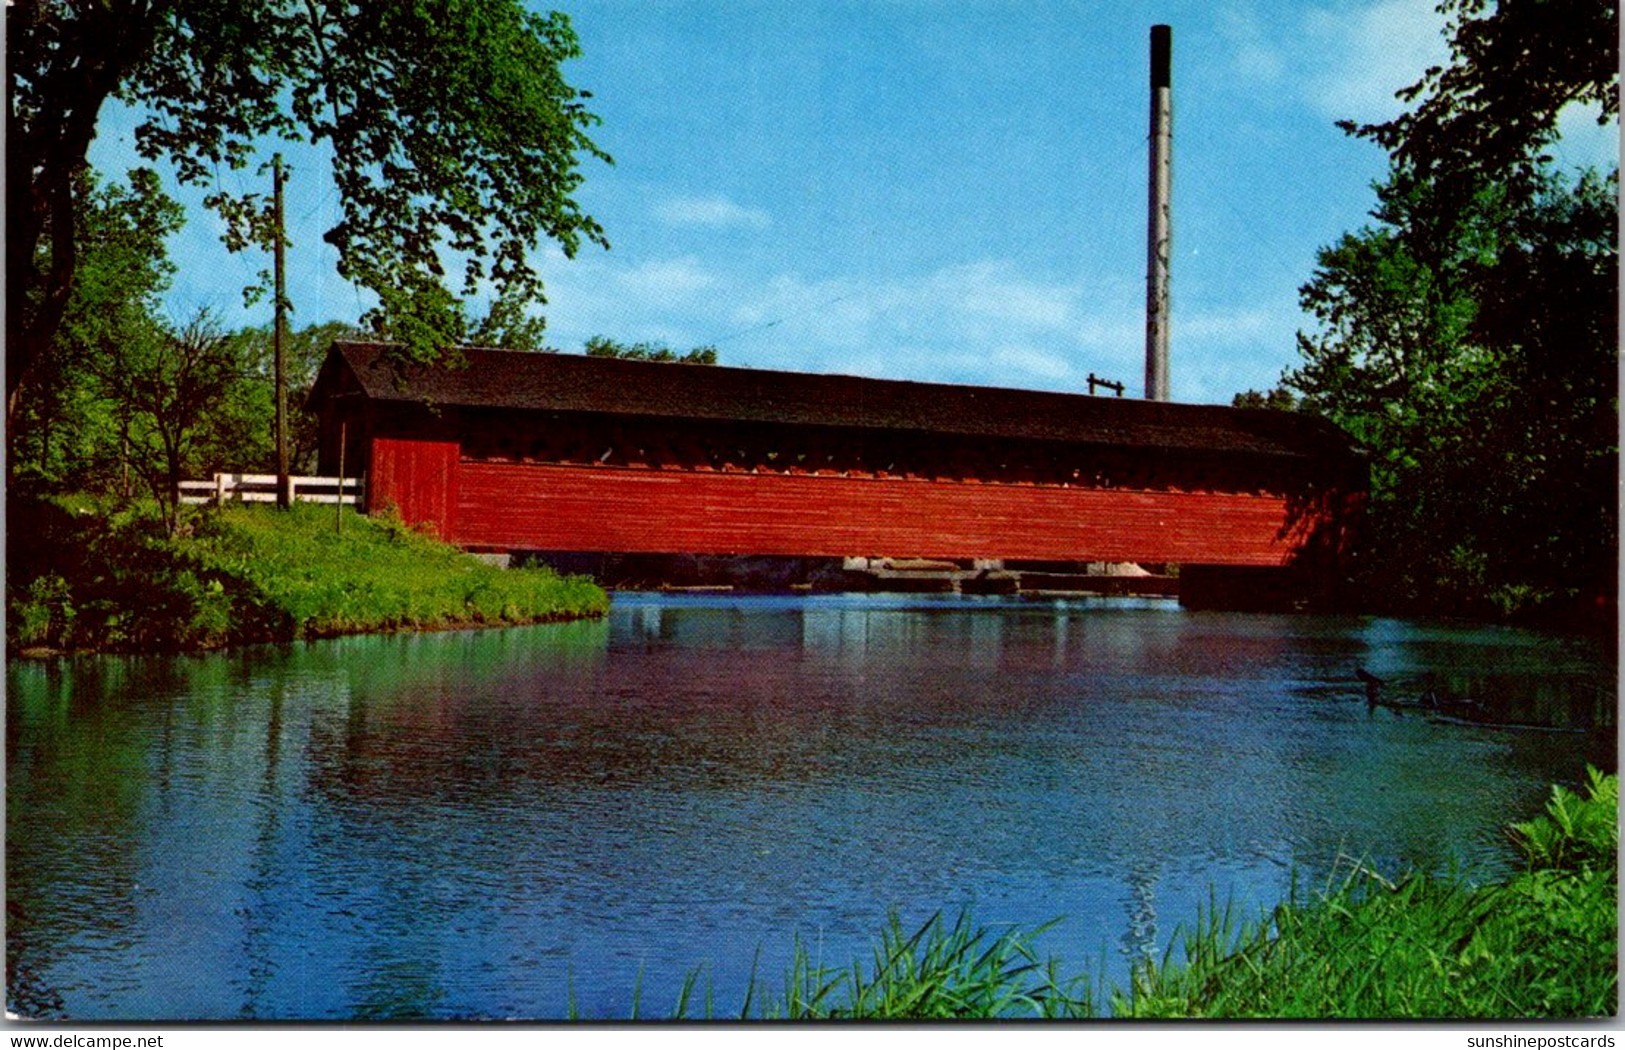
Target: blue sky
(937,191)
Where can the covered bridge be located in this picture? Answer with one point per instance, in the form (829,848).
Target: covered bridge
(553,452)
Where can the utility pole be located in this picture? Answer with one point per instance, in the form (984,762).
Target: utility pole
(1158,244)
(282,493)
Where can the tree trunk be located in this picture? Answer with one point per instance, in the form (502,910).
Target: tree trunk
(70,64)
(169,503)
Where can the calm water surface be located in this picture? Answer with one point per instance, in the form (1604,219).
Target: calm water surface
(474,824)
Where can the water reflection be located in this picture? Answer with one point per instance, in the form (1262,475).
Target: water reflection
(465,825)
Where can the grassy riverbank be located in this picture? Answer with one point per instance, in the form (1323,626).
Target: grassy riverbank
(85,575)
(1542,944)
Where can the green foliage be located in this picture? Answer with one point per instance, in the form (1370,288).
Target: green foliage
(376,574)
(507,325)
(69,433)
(85,574)
(43,613)
(603,346)
(1488,116)
(1279,399)
(1422,948)
(94,575)
(1468,339)
(939,972)
(1541,945)
(253,448)
(126,398)
(1478,369)
(452,129)
(168,388)
(1578,833)
(123,266)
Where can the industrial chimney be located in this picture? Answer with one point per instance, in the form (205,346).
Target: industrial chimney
(1157,238)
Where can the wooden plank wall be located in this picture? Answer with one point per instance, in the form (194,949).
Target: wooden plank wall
(419,479)
(558,507)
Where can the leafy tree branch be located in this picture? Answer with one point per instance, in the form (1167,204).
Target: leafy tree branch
(453,130)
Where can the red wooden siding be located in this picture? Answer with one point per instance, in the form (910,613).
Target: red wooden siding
(417,478)
(555,507)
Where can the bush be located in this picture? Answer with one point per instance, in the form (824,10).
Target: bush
(1576,834)
(43,616)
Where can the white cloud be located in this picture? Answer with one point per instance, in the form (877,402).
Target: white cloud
(1369,52)
(975,305)
(712,212)
(1345,61)
(662,280)
(1256,58)
(1028,361)
(1223,349)
(985,322)
(1122,324)
(995,291)
(980,322)
(1240,325)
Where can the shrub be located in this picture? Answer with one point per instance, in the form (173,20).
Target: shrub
(43,616)
(1577,833)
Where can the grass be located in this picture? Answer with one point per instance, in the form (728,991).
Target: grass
(1542,944)
(1539,946)
(94,576)
(377,575)
(941,971)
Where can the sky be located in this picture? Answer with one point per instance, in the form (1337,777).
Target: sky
(948,192)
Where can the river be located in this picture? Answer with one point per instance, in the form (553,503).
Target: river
(518,823)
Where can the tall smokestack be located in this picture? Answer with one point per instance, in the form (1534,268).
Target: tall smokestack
(1157,237)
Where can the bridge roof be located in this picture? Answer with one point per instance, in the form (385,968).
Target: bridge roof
(552,382)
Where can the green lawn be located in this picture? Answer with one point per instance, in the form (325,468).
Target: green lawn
(84,575)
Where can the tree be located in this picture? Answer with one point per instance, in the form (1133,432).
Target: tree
(66,435)
(452,130)
(506,325)
(169,387)
(252,399)
(1481,378)
(1488,117)
(1468,338)
(90,424)
(1279,399)
(603,346)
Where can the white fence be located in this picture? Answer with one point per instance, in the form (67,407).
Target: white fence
(261,488)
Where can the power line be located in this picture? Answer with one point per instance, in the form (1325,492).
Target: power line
(779,321)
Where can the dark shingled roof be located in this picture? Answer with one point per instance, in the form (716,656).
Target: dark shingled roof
(507,379)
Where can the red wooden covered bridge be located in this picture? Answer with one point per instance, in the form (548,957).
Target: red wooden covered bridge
(518,451)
